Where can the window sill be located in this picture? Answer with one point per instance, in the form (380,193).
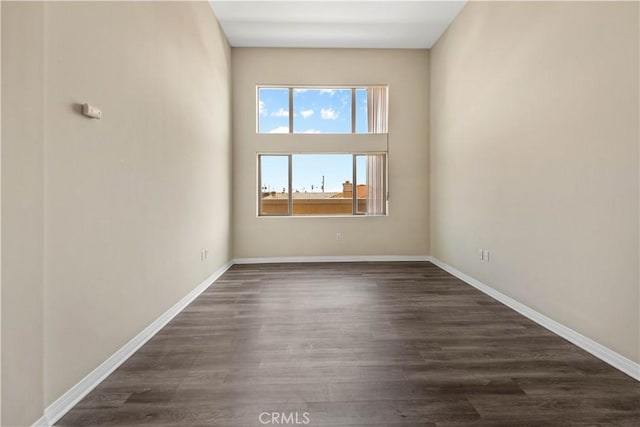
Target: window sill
(322,216)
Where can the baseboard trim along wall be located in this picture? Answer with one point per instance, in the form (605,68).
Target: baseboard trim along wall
(42,422)
(68,400)
(366,258)
(603,353)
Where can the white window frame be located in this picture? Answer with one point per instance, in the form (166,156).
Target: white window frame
(315,87)
(354,206)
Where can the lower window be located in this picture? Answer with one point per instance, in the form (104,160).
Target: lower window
(322,184)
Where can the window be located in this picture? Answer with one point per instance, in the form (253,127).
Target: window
(312,184)
(274,186)
(322,111)
(312,110)
(361,111)
(273,110)
(322,184)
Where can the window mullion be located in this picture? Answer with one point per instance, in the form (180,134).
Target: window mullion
(353,110)
(290,110)
(354,187)
(259,185)
(290,185)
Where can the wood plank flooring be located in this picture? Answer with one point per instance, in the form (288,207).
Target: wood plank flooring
(356,344)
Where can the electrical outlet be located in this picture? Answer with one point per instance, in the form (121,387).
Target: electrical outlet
(481,253)
(486,256)
(338,236)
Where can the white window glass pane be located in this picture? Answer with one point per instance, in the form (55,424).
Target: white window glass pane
(273,110)
(274,181)
(361,111)
(322,110)
(322,184)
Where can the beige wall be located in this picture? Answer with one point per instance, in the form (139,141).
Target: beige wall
(534,157)
(0,211)
(405,230)
(129,201)
(22,212)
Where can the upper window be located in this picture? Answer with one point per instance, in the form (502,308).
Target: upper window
(306,110)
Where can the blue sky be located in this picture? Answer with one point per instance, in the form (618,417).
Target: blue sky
(314,111)
(308,170)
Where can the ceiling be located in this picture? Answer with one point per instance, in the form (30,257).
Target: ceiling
(339,24)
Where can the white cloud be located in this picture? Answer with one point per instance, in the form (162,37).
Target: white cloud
(280,129)
(280,113)
(300,90)
(328,114)
(329,91)
(312,131)
(306,113)
(262,110)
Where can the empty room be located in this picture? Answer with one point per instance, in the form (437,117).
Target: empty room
(325,213)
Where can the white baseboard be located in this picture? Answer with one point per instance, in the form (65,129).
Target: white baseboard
(42,422)
(68,400)
(603,353)
(366,258)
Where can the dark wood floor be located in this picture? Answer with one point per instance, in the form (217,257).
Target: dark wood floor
(362,344)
